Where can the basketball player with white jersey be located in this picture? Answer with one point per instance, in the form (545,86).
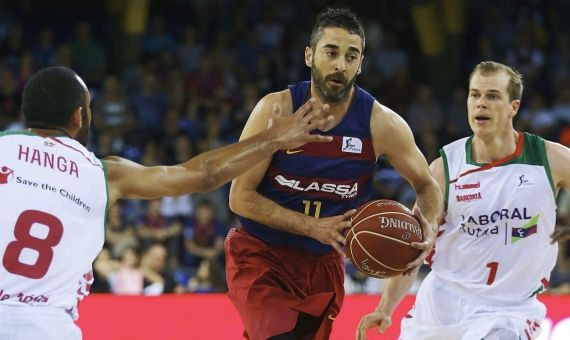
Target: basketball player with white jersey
(54,196)
(493,253)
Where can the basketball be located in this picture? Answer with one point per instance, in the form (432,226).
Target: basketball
(378,243)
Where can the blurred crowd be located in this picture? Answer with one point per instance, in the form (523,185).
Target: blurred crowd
(202,66)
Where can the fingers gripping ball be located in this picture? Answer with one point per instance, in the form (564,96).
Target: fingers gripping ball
(378,243)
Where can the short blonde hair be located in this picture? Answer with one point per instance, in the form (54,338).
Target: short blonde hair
(515,87)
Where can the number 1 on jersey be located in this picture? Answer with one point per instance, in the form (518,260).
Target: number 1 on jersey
(493,266)
(317,204)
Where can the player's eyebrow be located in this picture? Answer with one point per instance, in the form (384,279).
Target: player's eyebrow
(336,47)
(331,46)
(491,90)
(354,49)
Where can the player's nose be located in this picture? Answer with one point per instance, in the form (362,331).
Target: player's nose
(340,65)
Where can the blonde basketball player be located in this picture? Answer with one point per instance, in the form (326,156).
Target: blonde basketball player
(54,195)
(494,252)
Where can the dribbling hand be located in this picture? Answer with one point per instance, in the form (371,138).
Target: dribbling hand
(293,130)
(328,230)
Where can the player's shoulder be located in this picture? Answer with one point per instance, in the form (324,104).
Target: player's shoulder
(386,119)
(282,98)
(457,144)
(117,167)
(555,152)
(554,148)
(558,157)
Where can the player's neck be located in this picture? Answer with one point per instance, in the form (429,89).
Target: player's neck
(51,132)
(486,149)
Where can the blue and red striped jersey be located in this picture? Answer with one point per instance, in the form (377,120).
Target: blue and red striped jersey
(320,179)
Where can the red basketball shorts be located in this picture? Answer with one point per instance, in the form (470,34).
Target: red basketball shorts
(278,289)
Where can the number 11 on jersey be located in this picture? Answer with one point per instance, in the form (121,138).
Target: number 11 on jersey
(317,205)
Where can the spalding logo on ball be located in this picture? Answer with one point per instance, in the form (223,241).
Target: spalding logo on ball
(6,174)
(378,243)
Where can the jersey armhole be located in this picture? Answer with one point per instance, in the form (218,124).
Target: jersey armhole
(446,170)
(544,157)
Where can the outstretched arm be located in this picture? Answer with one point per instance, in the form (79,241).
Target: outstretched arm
(208,171)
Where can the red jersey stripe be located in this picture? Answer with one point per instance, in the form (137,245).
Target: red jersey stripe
(517,153)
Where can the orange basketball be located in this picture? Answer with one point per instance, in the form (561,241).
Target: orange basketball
(378,243)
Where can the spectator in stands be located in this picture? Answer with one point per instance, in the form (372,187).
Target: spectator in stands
(537,118)
(127,279)
(157,278)
(155,228)
(456,126)
(119,234)
(88,55)
(204,236)
(208,278)
(103,266)
(111,106)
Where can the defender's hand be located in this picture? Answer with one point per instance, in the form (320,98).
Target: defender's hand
(376,319)
(560,234)
(292,131)
(425,246)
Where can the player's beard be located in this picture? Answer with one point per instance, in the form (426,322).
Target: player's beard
(327,94)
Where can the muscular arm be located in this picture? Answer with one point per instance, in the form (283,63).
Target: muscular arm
(244,198)
(210,170)
(397,287)
(558,159)
(394,139)
(204,172)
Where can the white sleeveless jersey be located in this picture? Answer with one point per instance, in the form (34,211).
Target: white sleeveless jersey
(495,239)
(53,198)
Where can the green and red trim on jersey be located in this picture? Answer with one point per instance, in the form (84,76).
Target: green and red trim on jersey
(517,153)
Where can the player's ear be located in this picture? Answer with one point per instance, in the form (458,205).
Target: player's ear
(360,66)
(515,104)
(308,56)
(77,119)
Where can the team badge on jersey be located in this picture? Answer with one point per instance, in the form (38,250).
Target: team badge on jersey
(351,144)
(526,230)
(6,174)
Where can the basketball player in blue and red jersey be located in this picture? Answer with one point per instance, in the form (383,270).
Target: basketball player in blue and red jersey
(495,250)
(54,195)
(284,268)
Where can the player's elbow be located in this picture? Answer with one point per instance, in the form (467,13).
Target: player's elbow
(209,177)
(236,200)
